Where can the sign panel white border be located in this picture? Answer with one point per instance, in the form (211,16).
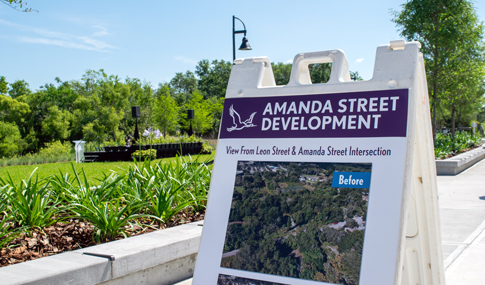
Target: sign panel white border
(393,177)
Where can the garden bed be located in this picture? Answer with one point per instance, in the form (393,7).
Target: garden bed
(161,257)
(75,234)
(447,146)
(452,154)
(460,162)
(42,217)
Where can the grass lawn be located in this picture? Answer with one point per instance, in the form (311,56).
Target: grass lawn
(93,170)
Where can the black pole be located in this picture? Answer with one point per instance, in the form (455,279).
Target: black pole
(190,116)
(135,113)
(190,133)
(233,39)
(136,135)
(234,32)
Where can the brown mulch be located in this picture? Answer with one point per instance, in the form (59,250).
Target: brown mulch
(75,234)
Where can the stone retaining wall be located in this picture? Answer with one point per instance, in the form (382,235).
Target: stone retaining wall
(458,163)
(162,257)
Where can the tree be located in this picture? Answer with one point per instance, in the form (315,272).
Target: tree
(449,32)
(9,139)
(19,88)
(140,94)
(320,72)
(3,85)
(354,75)
(216,107)
(182,86)
(166,111)
(463,96)
(13,111)
(213,77)
(56,124)
(102,104)
(281,72)
(202,121)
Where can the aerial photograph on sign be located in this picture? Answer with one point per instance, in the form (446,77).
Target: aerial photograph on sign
(298,219)
(236,280)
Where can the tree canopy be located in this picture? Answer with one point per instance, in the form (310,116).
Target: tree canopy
(97,107)
(451,36)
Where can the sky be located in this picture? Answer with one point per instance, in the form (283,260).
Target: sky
(153,40)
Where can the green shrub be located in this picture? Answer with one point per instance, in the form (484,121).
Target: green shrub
(446,145)
(206,148)
(149,140)
(168,139)
(144,154)
(52,152)
(56,149)
(112,143)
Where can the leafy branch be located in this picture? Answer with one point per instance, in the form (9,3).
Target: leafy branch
(18,5)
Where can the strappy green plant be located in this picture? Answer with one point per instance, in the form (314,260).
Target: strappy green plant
(108,217)
(78,188)
(445,144)
(7,230)
(34,202)
(166,202)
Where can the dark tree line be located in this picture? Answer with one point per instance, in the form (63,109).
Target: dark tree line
(97,107)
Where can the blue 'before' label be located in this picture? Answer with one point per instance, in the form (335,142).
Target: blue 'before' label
(351,179)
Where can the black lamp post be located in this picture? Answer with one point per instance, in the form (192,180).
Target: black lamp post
(190,116)
(135,113)
(245,45)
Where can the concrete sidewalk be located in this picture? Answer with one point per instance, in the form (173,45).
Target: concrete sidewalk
(462,213)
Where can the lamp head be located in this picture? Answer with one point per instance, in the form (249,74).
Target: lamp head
(245,45)
(190,114)
(135,112)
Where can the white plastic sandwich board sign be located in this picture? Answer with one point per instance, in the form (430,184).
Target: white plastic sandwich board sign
(328,183)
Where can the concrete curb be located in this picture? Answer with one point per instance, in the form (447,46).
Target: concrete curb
(458,163)
(162,257)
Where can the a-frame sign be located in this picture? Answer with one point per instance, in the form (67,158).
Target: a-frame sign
(331,183)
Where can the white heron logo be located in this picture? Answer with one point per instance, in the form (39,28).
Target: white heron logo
(238,124)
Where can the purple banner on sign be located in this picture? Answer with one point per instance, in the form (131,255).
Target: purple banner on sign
(341,115)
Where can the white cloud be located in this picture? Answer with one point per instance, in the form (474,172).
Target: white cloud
(186,60)
(7,23)
(99,45)
(48,37)
(289,61)
(359,60)
(60,43)
(102,31)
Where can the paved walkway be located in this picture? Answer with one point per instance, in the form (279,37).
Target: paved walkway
(462,213)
